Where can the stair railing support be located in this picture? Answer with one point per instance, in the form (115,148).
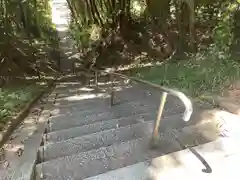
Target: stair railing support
(112,89)
(155,135)
(96,79)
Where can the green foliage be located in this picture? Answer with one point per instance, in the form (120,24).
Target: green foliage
(138,7)
(12,99)
(90,19)
(84,37)
(222,33)
(194,77)
(25,31)
(209,70)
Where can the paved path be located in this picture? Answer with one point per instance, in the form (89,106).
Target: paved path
(61,18)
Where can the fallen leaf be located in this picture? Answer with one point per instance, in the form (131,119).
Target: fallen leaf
(19,152)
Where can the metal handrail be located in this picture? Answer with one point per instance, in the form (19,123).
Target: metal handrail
(184,99)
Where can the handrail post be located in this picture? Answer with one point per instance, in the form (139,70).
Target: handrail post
(96,79)
(112,90)
(73,68)
(155,135)
(89,79)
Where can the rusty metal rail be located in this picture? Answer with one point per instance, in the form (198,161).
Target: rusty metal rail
(165,91)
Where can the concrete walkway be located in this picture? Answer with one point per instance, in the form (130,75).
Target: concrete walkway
(61,18)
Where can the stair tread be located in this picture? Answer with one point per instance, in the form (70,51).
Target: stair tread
(69,122)
(78,119)
(172,121)
(65,134)
(101,160)
(120,105)
(101,99)
(119,155)
(96,109)
(124,132)
(96,140)
(126,95)
(101,142)
(182,164)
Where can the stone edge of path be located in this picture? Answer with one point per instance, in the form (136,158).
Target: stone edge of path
(5,134)
(25,168)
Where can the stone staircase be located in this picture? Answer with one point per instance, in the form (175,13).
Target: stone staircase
(87,139)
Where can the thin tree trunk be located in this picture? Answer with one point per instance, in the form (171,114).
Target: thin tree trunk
(92,11)
(73,12)
(89,12)
(192,32)
(236,33)
(97,13)
(181,16)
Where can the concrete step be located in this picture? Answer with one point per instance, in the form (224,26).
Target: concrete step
(81,99)
(173,121)
(120,104)
(122,111)
(94,162)
(127,95)
(184,164)
(170,122)
(118,155)
(57,124)
(65,134)
(93,108)
(73,106)
(132,88)
(77,90)
(115,127)
(140,92)
(95,140)
(79,119)
(136,90)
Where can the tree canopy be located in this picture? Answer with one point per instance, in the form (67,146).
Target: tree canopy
(159,29)
(116,32)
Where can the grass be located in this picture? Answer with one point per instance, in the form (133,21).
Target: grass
(193,77)
(14,97)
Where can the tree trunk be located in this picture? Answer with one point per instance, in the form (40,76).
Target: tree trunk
(159,11)
(236,33)
(192,31)
(182,21)
(73,12)
(96,13)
